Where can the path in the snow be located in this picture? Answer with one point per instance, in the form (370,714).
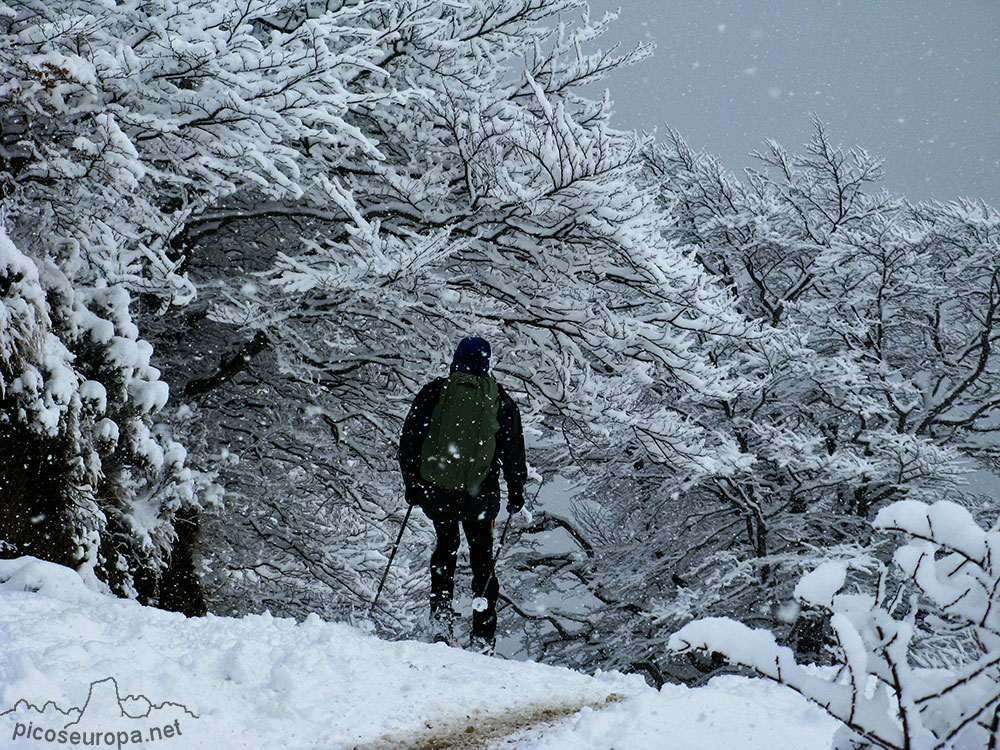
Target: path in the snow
(485,730)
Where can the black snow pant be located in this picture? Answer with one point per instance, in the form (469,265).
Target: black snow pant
(479,534)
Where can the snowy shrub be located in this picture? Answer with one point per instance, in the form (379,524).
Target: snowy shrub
(86,478)
(947,586)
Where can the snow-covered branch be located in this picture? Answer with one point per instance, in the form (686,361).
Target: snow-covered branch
(883,700)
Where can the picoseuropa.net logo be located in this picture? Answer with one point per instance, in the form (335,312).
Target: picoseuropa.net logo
(106,719)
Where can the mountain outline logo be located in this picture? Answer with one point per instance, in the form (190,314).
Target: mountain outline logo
(105,713)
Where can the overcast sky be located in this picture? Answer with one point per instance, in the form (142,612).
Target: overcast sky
(915,81)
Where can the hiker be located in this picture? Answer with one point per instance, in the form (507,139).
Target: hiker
(460,432)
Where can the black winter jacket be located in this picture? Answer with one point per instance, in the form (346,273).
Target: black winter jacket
(440,504)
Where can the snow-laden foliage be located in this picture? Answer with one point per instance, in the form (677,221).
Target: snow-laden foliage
(874,378)
(946,583)
(87,478)
(122,122)
(878,378)
(481,195)
(304,206)
(90,478)
(23,313)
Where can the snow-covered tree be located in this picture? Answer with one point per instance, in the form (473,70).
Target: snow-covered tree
(487,197)
(86,476)
(872,379)
(918,659)
(866,395)
(126,128)
(91,479)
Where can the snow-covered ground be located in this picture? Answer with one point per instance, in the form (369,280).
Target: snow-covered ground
(265,682)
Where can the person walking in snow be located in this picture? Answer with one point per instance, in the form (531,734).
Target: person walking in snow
(459,434)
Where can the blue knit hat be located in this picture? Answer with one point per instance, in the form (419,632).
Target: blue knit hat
(472,356)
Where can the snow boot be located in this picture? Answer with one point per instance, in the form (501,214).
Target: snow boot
(482,645)
(443,626)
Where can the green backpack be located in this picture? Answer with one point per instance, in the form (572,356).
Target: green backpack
(458,451)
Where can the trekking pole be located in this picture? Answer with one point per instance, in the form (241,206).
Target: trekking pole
(479,603)
(392,556)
